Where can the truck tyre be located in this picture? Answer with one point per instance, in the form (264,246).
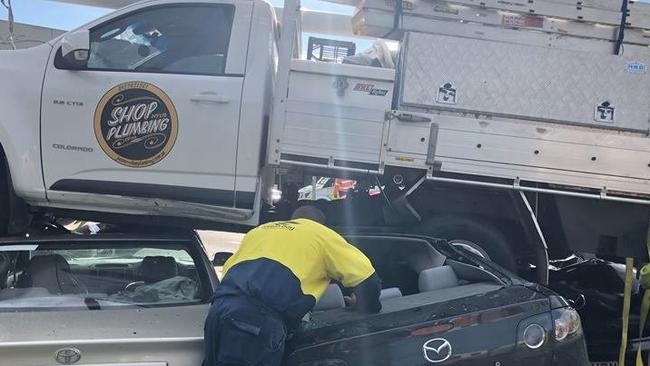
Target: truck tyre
(486,240)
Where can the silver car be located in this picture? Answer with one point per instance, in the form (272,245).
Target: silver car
(108,299)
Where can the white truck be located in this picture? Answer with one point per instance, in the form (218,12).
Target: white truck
(514,128)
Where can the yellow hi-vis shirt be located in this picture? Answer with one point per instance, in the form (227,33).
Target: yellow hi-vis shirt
(289,265)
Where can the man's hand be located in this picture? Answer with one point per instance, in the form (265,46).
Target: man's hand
(350,300)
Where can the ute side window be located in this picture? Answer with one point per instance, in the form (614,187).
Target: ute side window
(170,39)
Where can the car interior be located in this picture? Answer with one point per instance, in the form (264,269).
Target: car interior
(413,273)
(123,278)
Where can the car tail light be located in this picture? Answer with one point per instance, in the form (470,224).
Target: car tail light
(534,332)
(534,336)
(566,321)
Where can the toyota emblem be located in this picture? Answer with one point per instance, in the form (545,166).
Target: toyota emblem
(67,356)
(437,350)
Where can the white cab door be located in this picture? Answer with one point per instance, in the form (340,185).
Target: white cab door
(155,113)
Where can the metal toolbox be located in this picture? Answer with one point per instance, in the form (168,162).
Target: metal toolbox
(524,82)
(547,19)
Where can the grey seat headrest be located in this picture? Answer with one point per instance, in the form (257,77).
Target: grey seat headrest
(389,293)
(51,272)
(157,268)
(437,278)
(332,299)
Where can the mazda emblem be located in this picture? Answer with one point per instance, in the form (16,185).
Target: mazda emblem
(67,356)
(437,350)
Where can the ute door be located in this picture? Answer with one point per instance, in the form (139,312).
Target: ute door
(155,112)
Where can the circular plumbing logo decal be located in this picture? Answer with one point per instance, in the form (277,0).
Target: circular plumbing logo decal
(136,124)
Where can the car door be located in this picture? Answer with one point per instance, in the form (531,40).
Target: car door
(155,113)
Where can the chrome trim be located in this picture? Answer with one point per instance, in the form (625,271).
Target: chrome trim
(78,342)
(516,187)
(329,166)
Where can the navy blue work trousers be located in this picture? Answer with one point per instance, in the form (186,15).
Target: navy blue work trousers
(241,331)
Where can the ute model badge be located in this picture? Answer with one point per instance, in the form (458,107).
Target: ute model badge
(67,356)
(437,350)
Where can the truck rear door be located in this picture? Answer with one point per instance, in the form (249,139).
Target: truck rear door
(155,114)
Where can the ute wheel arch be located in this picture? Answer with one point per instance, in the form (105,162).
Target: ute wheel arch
(479,234)
(13,210)
(5,197)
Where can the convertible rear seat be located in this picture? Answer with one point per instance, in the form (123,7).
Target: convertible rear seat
(332,299)
(437,278)
(389,293)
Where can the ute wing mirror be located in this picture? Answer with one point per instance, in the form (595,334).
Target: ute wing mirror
(220,258)
(75,49)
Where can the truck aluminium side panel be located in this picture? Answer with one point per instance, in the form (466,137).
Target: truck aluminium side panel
(525,82)
(336,111)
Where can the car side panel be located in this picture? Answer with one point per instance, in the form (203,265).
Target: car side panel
(481,329)
(172,335)
(21,72)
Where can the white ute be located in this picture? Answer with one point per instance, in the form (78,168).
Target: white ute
(193,109)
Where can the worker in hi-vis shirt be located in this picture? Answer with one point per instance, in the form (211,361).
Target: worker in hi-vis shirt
(275,278)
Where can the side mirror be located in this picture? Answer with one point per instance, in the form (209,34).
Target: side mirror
(220,258)
(75,49)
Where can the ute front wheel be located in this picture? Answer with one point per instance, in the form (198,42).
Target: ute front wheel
(474,235)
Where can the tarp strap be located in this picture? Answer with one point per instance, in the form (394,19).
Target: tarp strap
(621,29)
(645,306)
(627,295)
(645,303)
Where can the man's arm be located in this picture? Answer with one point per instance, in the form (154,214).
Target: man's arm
(348,265)
(367,295)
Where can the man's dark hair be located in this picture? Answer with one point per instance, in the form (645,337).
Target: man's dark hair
(311,213)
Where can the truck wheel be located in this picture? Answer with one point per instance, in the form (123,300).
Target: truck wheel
(484,239)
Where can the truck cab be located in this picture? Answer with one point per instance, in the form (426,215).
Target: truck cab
(161,106)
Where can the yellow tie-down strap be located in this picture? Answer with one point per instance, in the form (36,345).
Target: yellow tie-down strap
(627,296)
(644,279)
(645,306)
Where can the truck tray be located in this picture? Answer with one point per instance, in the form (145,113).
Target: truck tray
(335,114)
(524,82)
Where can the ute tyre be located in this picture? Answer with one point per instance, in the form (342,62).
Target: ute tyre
(480,235)
(5,201)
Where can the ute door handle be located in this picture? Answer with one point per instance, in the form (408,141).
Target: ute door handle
(210,97)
